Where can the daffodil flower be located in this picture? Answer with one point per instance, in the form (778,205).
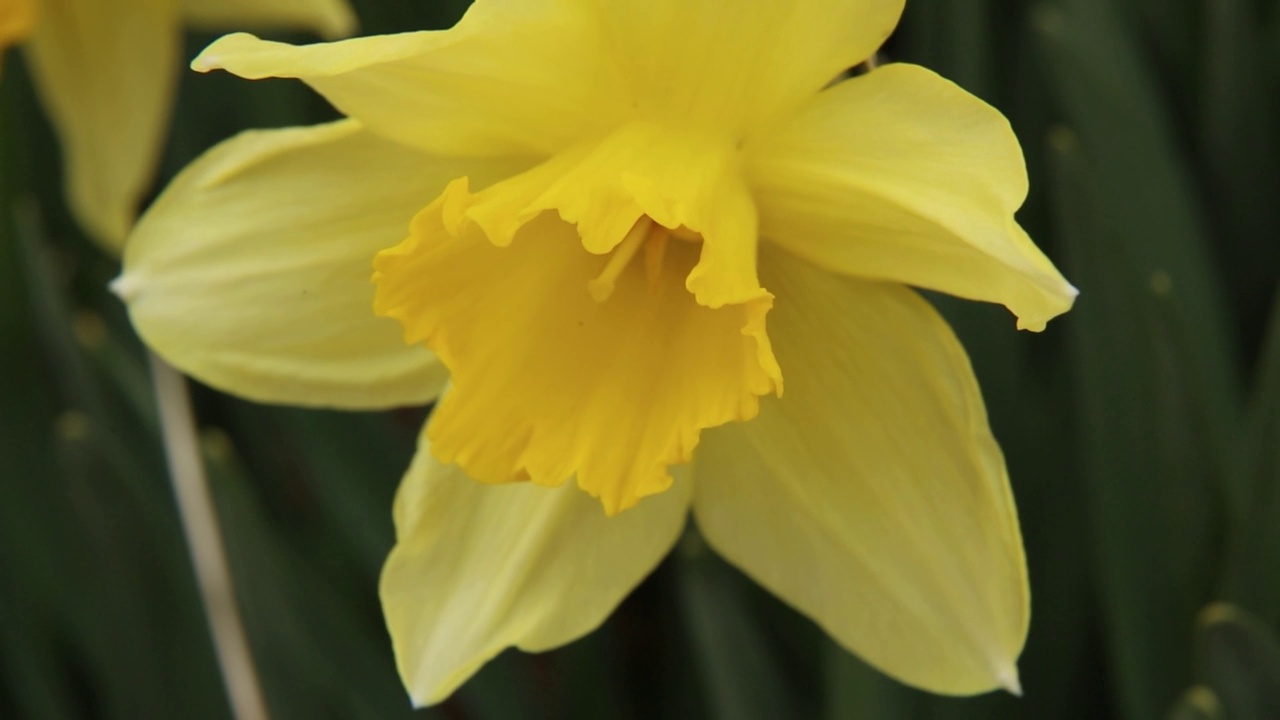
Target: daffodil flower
(631,222)
(105,71)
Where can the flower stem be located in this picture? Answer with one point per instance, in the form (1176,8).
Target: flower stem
(204,542)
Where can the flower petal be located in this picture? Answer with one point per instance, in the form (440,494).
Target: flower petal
(872,497)
(327,18)
(513,77)
(548,382)
(251,271)
(477,569)
(105,72)
(714,66)
(901,175)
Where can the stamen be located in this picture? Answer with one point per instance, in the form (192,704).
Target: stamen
(654,251)
(602,287)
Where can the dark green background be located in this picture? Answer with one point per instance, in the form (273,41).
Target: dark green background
(1142,430)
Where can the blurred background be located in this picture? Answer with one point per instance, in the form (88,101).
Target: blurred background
(1142,430)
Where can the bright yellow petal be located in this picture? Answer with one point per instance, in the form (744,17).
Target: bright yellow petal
(550,382)
(872,497)
(901,175)
(685,180)
(477,569)
(327,18)
(106,72)
(734,66)
(16,19)
(512,77)
(251,271)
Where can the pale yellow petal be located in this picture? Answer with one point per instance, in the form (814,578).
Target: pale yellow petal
(551,381)
(901,175)
(872,496)
(105,72)
(733,67)
(514,76)
(251,271)
(478,568)
(327,18)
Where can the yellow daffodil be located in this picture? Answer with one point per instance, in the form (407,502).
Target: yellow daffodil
(105,71)
(646,216)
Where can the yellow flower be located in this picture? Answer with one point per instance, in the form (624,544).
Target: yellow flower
(105,71)
(637,204)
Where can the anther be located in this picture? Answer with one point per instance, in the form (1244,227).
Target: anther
(654,251)
(602,286)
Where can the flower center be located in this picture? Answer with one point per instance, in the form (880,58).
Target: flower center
(645,235)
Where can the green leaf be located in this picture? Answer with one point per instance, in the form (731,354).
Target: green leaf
(317,645)
(1250,575)
(953,37)
(1238,113)
(736,665)
(94,531)
(1144,190)
(1143,422)
(1240,660)
(856,691)
(1171,29)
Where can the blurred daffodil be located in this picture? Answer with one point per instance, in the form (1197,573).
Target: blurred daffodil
(106,70)
(645,216)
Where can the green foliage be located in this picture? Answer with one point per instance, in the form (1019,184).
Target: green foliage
(1239,659)
(1142,430)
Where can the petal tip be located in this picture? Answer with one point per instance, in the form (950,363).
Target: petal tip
(126,287)
(212,57)
(1007,677)
(1032,326)
(1069,294)
(1037,322)
(206,61)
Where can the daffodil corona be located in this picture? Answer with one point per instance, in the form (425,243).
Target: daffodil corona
(648,218)
(105,71)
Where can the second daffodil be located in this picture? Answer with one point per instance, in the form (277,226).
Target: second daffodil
(656,257)
(105,71)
